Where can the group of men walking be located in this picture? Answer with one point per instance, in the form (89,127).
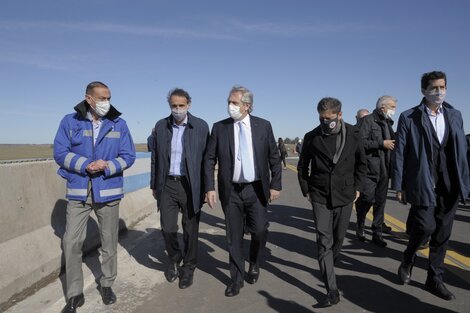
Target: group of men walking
(183,165)
(426,159)
(339,164)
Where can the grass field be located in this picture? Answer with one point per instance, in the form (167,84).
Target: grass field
(16,152)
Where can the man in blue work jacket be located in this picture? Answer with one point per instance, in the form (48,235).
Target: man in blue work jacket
(93,147)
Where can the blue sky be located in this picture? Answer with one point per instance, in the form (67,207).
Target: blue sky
(289,53)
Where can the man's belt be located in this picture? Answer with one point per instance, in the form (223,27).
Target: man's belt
(175,178)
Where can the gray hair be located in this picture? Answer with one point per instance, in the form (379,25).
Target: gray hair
(362,112)
(381,101)
(247,95)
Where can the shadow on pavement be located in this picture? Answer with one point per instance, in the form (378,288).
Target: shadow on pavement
(283,306)
(373,296)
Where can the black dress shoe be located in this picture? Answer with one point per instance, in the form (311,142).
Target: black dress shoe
(107,295)
(379,241)
(233,289)
(186,281)
(386,228)
(73,303)
(172,272)
(439,289)
(404,272)
(253,274)
(360,233)
(332,298)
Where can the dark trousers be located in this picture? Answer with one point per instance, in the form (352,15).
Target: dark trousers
(176,197)
(375,195)
(331,225)
(283,159)
(435,222)
(244,206)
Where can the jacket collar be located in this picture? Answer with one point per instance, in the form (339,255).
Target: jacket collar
(83,107)
(422,106)
(380,117)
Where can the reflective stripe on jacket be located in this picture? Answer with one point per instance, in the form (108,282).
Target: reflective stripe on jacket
(74,150)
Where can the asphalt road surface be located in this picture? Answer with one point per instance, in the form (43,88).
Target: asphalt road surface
(289,279)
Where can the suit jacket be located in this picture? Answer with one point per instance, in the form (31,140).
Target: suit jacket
(330,184)
(220,149)
(194,140)
(413,157)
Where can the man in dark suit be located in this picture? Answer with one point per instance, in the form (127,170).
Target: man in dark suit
(249,177)
(430,171)
(330,171)
(178,143)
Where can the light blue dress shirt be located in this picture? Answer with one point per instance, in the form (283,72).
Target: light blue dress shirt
(96,126)
(176,166)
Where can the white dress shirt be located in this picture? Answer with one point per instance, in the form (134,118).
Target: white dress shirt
(237,163)
(437,121)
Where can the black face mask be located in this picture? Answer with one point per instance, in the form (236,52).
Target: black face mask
(330,126)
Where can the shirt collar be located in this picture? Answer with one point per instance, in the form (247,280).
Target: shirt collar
(185,121)
(246,120)
(90,117)
(439,110)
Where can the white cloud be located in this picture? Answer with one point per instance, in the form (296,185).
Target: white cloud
(294,30)
(115,28)
(221,29)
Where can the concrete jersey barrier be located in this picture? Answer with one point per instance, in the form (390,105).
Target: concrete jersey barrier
(32,221)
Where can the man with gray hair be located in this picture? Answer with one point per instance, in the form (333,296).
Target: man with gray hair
(248,177)
(360,114)
(379,141)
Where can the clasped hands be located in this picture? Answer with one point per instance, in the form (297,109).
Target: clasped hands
(96,166)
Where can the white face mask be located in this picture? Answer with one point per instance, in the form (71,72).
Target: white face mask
(435,97)
(102,108)
(234,111)
(390,113)
(179,115)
